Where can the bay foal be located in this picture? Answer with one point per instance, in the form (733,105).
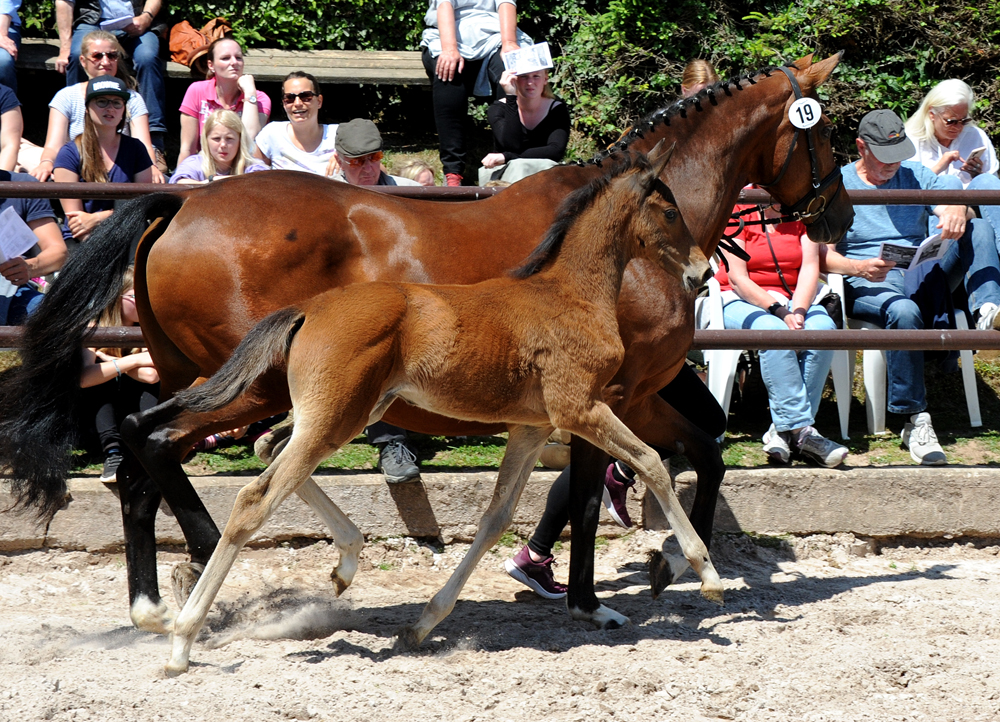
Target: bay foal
(533,350)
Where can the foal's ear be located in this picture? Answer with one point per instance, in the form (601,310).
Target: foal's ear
(658,158)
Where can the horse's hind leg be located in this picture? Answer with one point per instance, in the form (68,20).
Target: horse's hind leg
(523,446)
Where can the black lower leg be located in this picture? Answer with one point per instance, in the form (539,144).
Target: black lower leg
(139,500)
(586,480)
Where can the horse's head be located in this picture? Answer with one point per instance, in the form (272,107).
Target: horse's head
(807,179)
(660,232)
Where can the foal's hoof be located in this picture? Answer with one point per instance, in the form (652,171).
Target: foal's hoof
(268,446)
(661,575)
(339,585)
(184,578)
(406,640)
(713,594)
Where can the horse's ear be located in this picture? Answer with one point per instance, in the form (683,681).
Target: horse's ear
(658,158)
(804,62)
(818,73)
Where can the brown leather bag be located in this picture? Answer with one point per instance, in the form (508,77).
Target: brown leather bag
(189,46)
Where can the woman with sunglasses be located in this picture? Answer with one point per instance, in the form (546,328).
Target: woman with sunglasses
(302,142)
(101,154)
(99,57)
(225,152)
(227,88)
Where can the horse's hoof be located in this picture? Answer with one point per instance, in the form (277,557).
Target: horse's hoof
(661,575)
(268,446)
(149,616)
(406,640)
(339,585)
(183,579)
(712,594)
(602,617)
(174,670)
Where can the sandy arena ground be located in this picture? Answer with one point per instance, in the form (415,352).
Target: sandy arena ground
(809,632)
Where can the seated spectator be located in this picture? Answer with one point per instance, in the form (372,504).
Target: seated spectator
(225,152)
(875,290)
(11,126)
(359,155)
(101,154)
(949,142)
(530,128)
(19,294)
(698,75)
(141,37)
(10,43)
(227,88)
(301,143)
(116,384)
(100,58)
(776,291)
(417,170)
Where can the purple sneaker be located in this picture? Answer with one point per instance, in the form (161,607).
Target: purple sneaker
(537,576)
(616,486)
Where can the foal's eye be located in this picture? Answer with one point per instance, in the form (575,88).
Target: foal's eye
(671,214)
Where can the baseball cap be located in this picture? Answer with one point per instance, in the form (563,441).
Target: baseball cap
(357,137)
(106,85)
(885,135)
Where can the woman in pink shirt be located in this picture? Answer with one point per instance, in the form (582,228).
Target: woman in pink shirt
(227,88)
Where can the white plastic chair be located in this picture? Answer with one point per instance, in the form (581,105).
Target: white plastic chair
(874,369)
(722,363)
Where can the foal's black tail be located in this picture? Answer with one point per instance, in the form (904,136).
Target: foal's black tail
(38,424)
(264,348)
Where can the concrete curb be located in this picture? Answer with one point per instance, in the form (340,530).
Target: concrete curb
(872,502)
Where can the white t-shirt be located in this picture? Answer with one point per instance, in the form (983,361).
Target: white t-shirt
(274,142)
(70,102)
(929,152)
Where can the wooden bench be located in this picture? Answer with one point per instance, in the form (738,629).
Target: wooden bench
(365,67)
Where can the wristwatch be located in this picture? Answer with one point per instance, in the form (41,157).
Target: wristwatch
(252,99)
(773,308)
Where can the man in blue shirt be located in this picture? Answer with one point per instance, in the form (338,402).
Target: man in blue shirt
(874,289)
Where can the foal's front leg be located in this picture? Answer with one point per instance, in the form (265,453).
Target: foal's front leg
(524,443)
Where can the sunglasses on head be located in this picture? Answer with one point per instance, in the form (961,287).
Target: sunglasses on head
(116,103)
(305,96)
(361,160)
(97,57)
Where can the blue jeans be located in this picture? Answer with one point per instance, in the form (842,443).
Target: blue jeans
(794,379)
(973,259)
(8,73)
(983,182)
(21,304)
(150,71)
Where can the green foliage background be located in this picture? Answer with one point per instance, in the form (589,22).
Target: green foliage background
(619,59)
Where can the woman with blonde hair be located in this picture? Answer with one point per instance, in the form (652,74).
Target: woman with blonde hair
(698,74)
(417,170)
(100,56)
(226,151)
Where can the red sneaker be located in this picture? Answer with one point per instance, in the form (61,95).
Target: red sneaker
(616,485)
(452,179)
(537,576)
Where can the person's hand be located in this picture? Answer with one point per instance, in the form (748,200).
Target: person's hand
(16,271)
(82,223)
(333,167)
(493,160)
(158,177)
(945,160)
(951,221)
(140,24)
(872,269)
(795,320)
(43,170)
(247,85)
(449,62)
(507,82)
(509,47)
(7,44)
(973,166)
(62,62)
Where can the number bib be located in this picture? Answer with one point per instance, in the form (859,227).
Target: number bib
(804,113)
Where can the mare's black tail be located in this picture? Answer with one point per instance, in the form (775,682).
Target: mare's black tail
(38,423)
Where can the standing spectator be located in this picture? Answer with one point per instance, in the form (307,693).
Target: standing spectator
(10,43)
(101,154)
(418,171)
(775,291)
(301,143)
(530,128)
(18,295)
(949,142)
(875,290)
(225,152)
(11,127)
(462,45)
(698,74)
(227,88)
(141,37)
(100,57)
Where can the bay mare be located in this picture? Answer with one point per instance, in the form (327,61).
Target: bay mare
(213,263)
(531,350)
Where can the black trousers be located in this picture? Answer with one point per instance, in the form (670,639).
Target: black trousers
(106,406)
(451,107)
(689,396)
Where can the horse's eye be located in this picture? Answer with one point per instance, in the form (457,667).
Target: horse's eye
(828,131)
(671,214)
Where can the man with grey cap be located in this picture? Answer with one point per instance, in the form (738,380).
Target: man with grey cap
(875,290)
(359,152)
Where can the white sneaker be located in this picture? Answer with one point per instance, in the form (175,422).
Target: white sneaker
(820,449)
(920,439)
(988,317)
(776,445)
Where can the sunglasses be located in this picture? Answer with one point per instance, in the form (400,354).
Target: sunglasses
(129,296)
(97,57)
(116,103)
(305,96)
(361,160)
(955,121)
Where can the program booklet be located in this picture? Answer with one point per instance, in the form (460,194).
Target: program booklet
(529,59)
(909,257)
(16,238)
